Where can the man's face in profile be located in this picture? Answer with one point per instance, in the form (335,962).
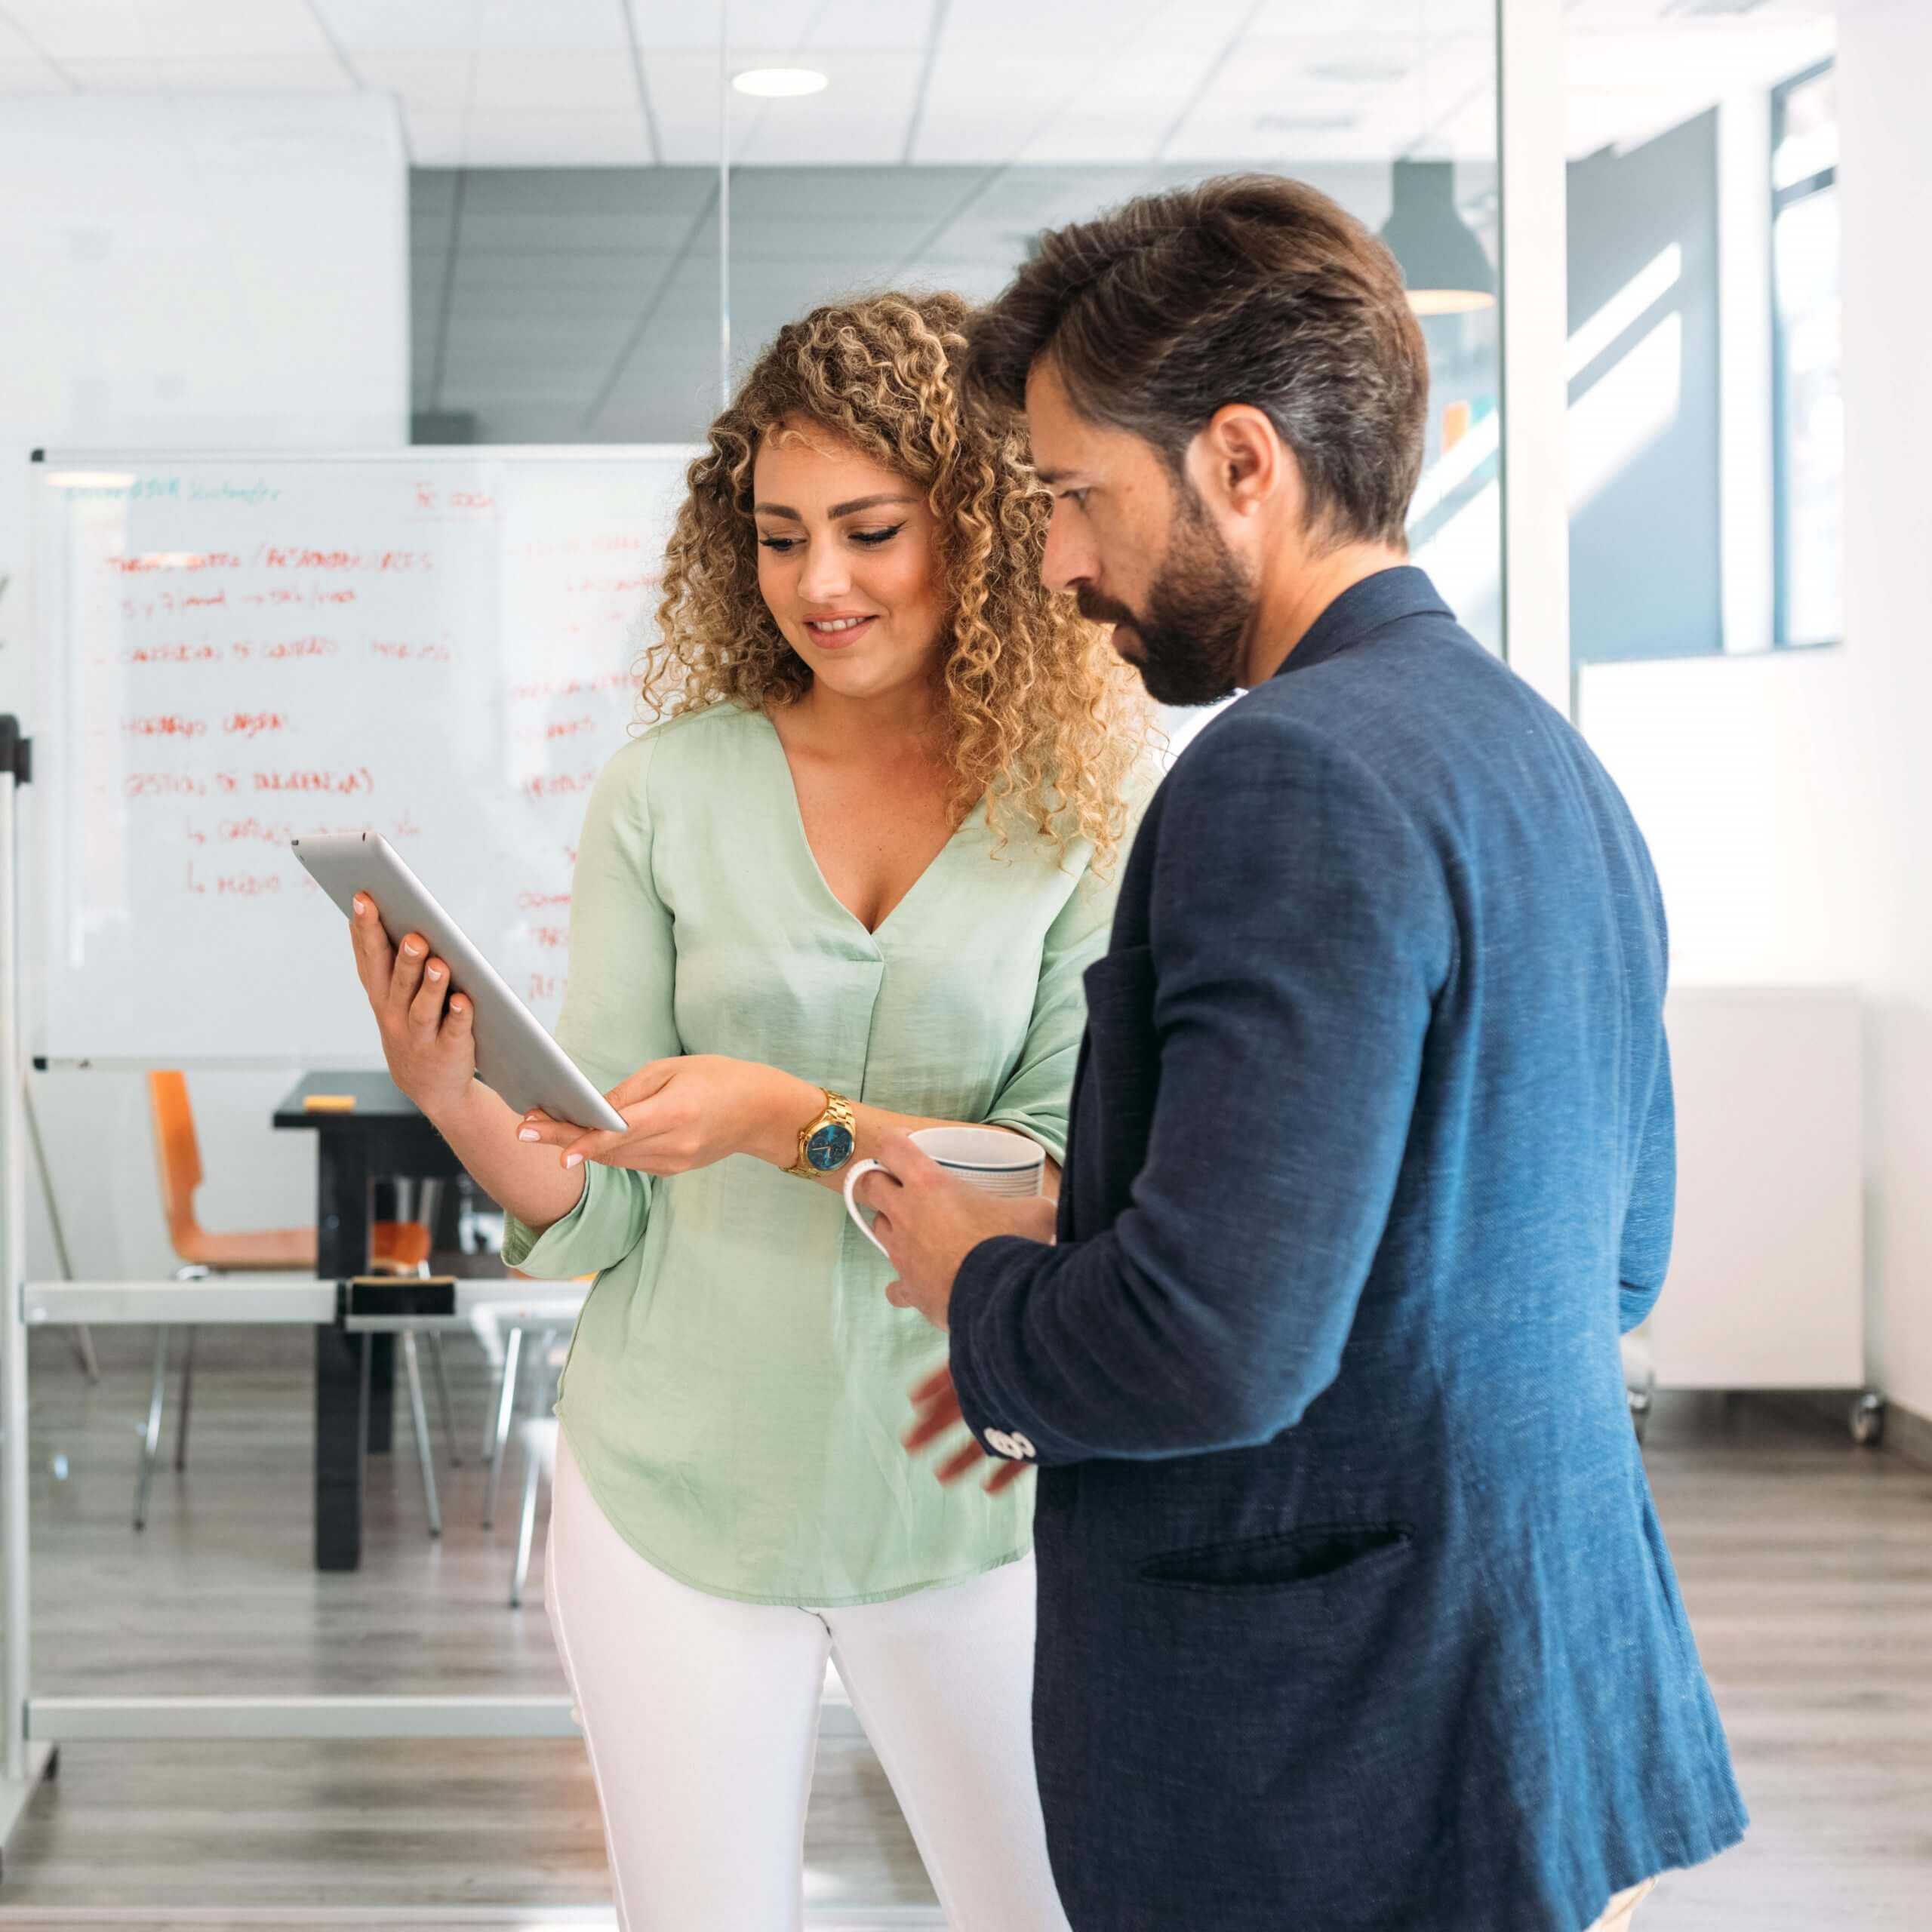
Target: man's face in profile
(1138,549)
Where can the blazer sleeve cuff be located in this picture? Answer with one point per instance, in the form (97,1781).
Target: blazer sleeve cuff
(993,1278)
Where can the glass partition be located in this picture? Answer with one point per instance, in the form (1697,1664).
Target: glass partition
(924,146)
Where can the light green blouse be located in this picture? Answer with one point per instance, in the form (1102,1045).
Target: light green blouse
(737,1385)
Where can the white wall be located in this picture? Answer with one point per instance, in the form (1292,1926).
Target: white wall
(1788,797)
(1747,776)
(1884,55)
(188,272)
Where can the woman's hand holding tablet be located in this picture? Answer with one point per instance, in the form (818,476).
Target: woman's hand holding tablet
(458,1041)
(428,1031)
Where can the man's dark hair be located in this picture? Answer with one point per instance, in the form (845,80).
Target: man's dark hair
(1248,288)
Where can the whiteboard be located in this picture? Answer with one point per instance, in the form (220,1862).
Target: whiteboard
(233,651)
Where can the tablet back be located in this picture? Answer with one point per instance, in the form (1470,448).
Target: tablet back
(515,1056)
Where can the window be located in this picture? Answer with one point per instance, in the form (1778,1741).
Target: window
(1808,415)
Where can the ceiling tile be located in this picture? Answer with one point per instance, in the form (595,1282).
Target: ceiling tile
(435,80)
(868,24)
(568,195)
(1067,33)
(370,26)
(168,29)
(1337,17)
(24,77)
(431,190)
(863,115)
(16,48)
(685,106)
(539,79)
(691,24)
(596,273)
(547,422)
(319,73)
(465,25)
(908,194)
(505,339)
(568,26)
(537,297)
(568,231)
(791,243)
(435,135)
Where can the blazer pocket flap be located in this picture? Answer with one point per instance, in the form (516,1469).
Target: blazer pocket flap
(1312,1553)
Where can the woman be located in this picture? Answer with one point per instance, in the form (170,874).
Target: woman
(847,886)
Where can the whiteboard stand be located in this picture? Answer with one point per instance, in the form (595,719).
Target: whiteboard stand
(36,1727)
(26,1761)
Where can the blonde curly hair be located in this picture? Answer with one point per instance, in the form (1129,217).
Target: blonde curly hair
(1040,716)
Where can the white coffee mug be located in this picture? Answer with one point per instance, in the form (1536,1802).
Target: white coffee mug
(987,1157)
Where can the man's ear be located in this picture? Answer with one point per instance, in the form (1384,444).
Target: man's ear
(1239,464)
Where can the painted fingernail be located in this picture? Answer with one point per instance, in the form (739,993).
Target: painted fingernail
(573,1160)
(361,906)
(436,972)
(412,948)
(528,1133)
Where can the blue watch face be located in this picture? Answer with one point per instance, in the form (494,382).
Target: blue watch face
(830,1147)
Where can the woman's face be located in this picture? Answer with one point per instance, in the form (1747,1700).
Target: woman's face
(848,561)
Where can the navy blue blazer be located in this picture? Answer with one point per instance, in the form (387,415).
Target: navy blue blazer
(1354,1613)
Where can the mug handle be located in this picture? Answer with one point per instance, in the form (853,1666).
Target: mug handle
(853,1175)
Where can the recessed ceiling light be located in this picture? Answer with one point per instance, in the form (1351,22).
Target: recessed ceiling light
(779,83)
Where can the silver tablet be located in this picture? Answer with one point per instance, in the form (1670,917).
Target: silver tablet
(514,1054)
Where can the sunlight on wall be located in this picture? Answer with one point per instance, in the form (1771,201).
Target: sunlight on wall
(1628,404)
(1634,300)
(1625,409)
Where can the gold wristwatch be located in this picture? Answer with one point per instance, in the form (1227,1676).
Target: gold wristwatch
(826,1140)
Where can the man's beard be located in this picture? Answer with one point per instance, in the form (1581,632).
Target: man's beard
(1193,632)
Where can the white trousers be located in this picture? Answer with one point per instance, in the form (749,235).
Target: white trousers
(701,1715)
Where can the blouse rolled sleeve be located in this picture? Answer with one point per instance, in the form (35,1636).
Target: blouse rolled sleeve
(606,1223)
(617,1013)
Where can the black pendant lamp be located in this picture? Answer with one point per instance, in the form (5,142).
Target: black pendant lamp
(1441,260)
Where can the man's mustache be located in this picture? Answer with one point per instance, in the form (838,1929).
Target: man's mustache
(1099,609)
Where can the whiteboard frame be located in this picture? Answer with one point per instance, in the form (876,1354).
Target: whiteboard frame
(41,465)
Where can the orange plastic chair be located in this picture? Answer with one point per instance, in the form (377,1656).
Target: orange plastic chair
(396,1248)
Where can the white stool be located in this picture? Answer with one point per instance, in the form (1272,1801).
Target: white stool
(539,1438)
(549,1316)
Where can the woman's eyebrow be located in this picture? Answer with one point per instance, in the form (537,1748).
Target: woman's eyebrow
(868,503)
(837,510)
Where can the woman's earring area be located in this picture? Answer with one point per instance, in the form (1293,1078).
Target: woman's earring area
(857,1172)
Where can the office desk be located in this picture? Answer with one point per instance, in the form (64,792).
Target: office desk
(382,1137)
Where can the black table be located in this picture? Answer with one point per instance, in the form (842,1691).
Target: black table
(382,1137)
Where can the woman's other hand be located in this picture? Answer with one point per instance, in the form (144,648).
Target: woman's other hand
(427,1033)
(687,1113)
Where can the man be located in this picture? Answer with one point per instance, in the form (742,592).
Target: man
(1354,1612)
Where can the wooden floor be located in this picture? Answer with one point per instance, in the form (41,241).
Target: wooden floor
(1806,1565)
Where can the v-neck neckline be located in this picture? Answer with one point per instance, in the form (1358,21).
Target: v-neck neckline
(872,934)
